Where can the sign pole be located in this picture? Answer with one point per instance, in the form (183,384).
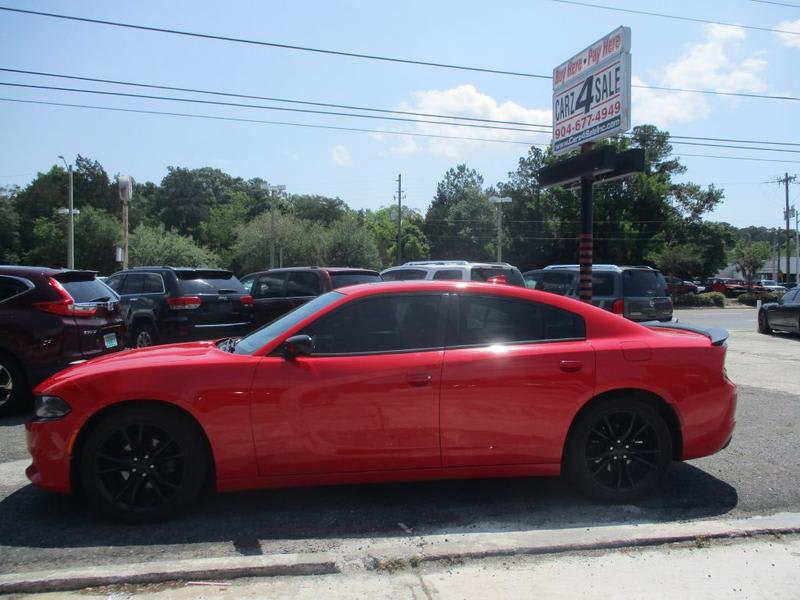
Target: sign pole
(586,244)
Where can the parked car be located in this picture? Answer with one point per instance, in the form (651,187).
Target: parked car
(50,319)
(389,382)
(637,293)
(277,291)
(163,305)
(783,315)
(676,286)
(730,287)
(457,270)
(770,285)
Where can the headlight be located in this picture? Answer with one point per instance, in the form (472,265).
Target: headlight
(50,407)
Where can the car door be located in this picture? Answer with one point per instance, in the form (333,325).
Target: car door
(367,399)
(515,372)
(268,296)
(784,314)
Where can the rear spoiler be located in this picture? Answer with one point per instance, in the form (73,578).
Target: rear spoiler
(717,335)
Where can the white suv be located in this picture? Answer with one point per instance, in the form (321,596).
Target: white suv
(459,270)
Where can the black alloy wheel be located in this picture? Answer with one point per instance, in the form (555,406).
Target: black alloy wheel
(618,450)
(763,324)
(143,336)
(13,387)
(143,464)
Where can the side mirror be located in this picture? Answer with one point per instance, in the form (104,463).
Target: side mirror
(298,345)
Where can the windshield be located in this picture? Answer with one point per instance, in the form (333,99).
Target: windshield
(261,337)
(343,279)
(643,284)
(209,282)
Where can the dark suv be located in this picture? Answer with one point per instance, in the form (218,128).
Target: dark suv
(278,291)
(163,305)
(638,293)
(49,319)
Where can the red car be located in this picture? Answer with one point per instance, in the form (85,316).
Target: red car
(395,381)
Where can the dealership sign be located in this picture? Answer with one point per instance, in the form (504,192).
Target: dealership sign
(592,93)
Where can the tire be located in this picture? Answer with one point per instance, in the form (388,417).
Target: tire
(143,464)
(144,335)
(15,393)
(618,450)
(763,323)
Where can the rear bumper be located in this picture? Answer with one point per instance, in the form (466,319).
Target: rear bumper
(709,427)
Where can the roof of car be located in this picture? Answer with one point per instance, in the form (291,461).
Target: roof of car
(22,270)
(315,268)
(450,263)
(574,267)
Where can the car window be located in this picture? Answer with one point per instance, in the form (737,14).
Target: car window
(556,282)
(269,285)
(133,284)
(455,274)
(789,296)
(403,275)
(261,337)
(643,284)
(303,283)
(153,284)
(10,287)
(90,290)
(484,320)
(115,283)
(393,323)
(513,276)
(247,284)
(603,284)
(339,280)
(208,281)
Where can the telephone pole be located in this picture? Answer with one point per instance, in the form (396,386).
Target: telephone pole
(785,181)
(399,218)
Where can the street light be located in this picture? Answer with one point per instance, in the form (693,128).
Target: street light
(499,200)
(70,219)
(273,189)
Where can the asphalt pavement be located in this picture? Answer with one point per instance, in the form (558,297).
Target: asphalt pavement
(756,475)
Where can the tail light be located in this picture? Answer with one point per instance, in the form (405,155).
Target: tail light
(246,300)
(500,279)
(184,302)
(65,305)
(618,307)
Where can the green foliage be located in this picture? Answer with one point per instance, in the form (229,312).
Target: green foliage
(150,245)
(706,299)
(9,229)
(350,244)
(459,185)
(683,261)
(751,298)
(319,209)
(748,258)
(382,224)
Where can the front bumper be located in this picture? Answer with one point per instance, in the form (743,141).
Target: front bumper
(50,445)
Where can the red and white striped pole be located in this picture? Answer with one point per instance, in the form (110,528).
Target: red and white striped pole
(586,240)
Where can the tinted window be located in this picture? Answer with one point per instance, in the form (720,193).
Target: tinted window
(643,284)
(115,283)
(261,337)
(303,283)
(247,284)
(153,284)
(789,296)
(380,324)
(513,276)
(556,282)
(342,279)
(10,287)
(484,320)
(603,284)
(88,291)
(269,286)
(448,274)
(209,282)
(404,275)
(133,284)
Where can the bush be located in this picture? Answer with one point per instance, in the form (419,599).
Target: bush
(707,299)
(751,298)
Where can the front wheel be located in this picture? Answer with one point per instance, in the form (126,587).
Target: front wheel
(763,323)
(143,464)
(14,391)
(618,451)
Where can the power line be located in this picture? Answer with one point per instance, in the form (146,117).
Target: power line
(777,3)
(675,17)
(376,57)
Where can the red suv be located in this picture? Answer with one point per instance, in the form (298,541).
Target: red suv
(729,287)
(50,319)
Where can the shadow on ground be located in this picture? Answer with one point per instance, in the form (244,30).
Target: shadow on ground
(33,518)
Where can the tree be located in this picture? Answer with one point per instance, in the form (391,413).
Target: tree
(158,246)
(382,224)
(457,185)
(9,228)
(749,258)
(351,244)
(320,209)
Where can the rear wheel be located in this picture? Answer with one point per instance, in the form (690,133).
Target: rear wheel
(763,323)
(14,390)
(144,335)
(618,450)
(143,464)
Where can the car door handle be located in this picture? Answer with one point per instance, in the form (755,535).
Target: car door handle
(419,379)
(571,366)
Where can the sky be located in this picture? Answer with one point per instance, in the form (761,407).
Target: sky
(362,167)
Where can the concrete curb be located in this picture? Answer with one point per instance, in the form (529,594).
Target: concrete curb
(404,552)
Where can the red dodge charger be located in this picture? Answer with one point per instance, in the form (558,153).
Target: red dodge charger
(389,382)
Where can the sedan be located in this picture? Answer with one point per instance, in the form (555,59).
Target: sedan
(397,381)
(783,315)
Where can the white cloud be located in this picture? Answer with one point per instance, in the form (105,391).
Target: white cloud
(464,101)
(793,41)
(341,156)
(705,65)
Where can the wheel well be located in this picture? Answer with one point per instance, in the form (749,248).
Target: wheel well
(654,400)
(89,426)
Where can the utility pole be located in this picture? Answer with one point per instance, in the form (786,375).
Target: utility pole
(125,185)
(796,244)
(70,220)
(499,201)
(273,189)
(785,181)
(399,218)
